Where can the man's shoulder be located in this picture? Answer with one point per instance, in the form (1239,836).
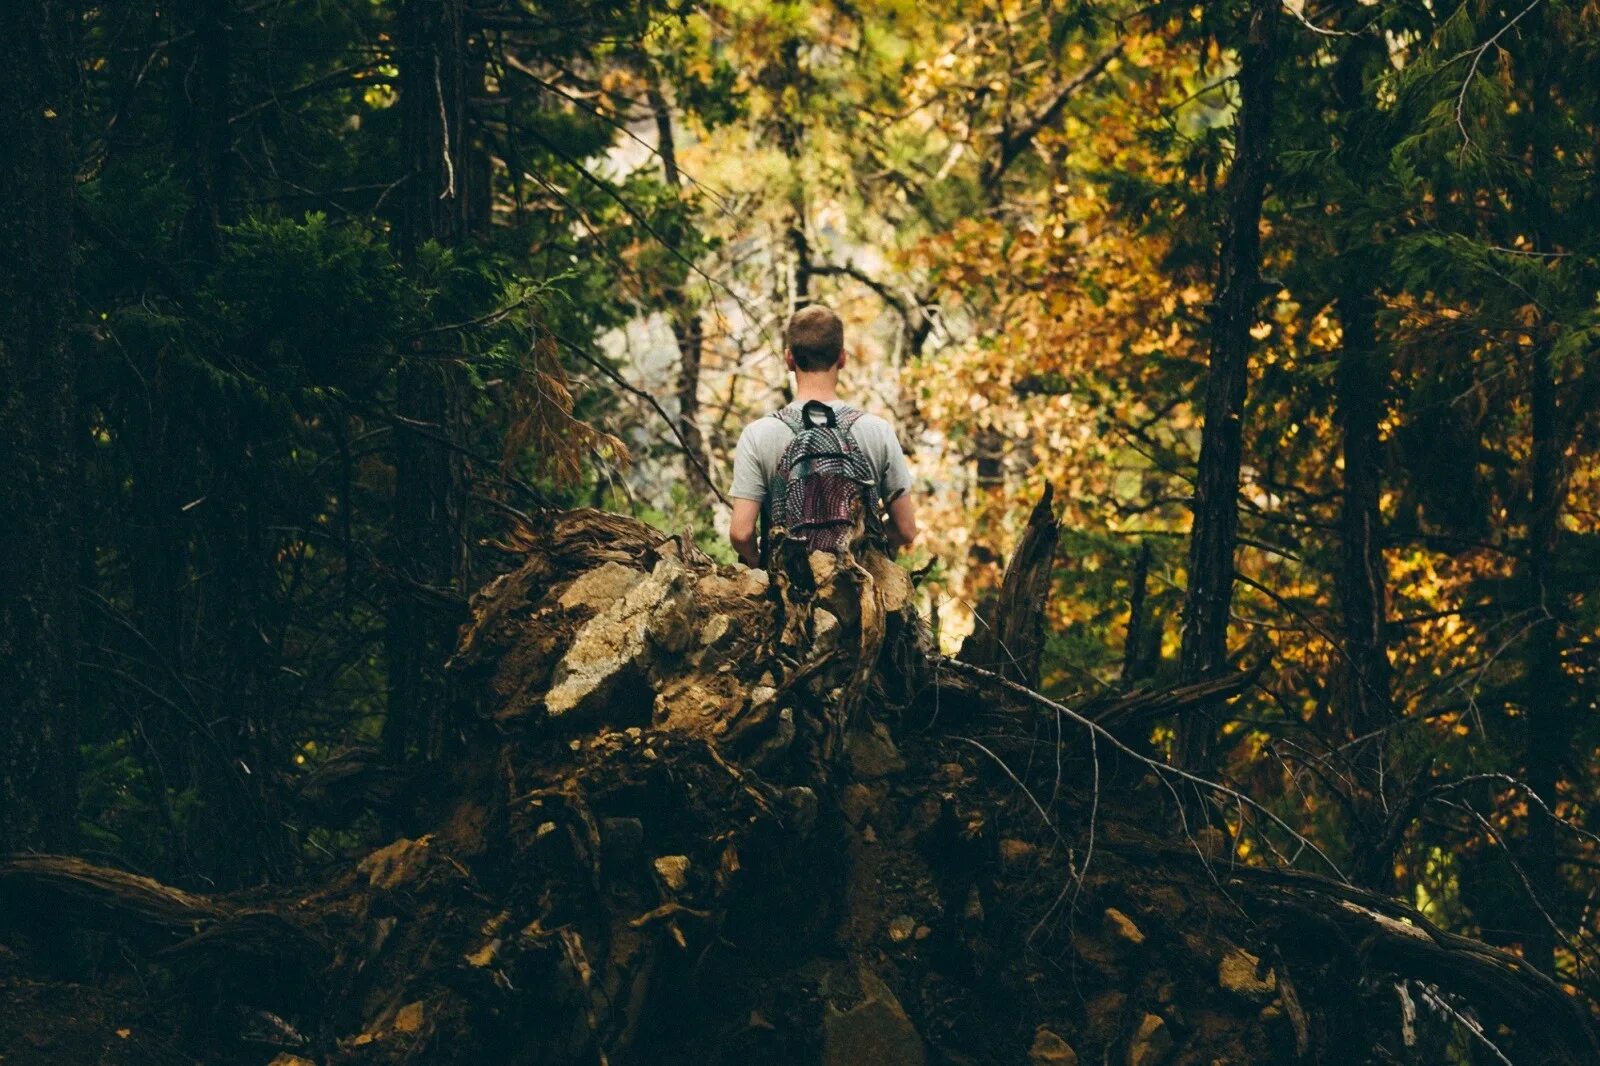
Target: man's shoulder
(875,424)
(765,430)
(765,424)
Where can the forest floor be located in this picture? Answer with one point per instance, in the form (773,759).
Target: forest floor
(705,816)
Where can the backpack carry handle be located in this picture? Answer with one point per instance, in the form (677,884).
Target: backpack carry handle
(829,417)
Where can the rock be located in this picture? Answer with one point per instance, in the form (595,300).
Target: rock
(973,911)
(610,652)
(824,631)
(286,1059)
(777,743)
(892,582)
(753,583)
(1151,1043)
(674,871)
(1105,1013)
(802,803)
(1049,1048)
(600,587)
(875,1032)
(396,863)
(872,752)
(409,1018)
(1237,973)
(823,567)
(855,802)
(1098,952)
(1014,852)
(902,928)
(715,629)
(621,843)
(1123,926)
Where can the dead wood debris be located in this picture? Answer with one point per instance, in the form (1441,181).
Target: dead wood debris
(707,816)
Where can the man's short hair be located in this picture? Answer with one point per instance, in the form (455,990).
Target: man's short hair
(815,337)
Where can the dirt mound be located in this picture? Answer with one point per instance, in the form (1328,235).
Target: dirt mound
(708,816)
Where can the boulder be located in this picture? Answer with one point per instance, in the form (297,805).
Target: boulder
(874,1032)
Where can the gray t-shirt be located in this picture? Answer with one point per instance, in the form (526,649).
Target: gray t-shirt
(761,445)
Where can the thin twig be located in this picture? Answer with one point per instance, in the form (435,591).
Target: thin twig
(671,422)
(1162,769)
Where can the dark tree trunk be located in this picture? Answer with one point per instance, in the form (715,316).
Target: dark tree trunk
(1211,543)
(1362,578)
(429,490)
(1009,638)
(687,328)
(38,386)
(199,96)
(1133,660)
(1549,729)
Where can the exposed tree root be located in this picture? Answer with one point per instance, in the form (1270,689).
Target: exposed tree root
(690,827)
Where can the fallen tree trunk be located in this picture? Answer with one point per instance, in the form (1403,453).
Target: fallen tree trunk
(712,816)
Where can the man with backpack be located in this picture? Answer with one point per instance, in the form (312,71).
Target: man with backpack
(804,466)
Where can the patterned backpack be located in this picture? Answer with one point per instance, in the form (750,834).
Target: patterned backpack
(819,477)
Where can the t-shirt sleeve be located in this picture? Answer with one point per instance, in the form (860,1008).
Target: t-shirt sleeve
(749,483)
(894,471)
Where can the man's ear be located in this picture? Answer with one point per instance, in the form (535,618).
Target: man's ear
(844,353)
(788,360)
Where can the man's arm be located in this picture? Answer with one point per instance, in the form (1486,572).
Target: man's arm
(748,490)
(902,521)
(742,530)
(895,486)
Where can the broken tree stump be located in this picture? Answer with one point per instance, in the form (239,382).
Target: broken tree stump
(1010,630)
(711,816)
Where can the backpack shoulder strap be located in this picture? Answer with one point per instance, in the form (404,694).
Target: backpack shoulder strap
(789,417)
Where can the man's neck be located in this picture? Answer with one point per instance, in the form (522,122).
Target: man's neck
(824,387)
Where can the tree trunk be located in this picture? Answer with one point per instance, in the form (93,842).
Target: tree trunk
(429,490)
(687,327)
(38,388)
(1212,540)
(1548,726)
(199,97)
(1133,643)
(1009,638)
(1362,580)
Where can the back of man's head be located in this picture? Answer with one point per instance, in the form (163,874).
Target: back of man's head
(815,338)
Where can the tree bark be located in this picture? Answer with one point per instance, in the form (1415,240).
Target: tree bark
(688,330)
(38,388)
(1214,534)
(1549,728)
(199,98)
(430,479)
(1133,661)
(1362,580)
(1010,634)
